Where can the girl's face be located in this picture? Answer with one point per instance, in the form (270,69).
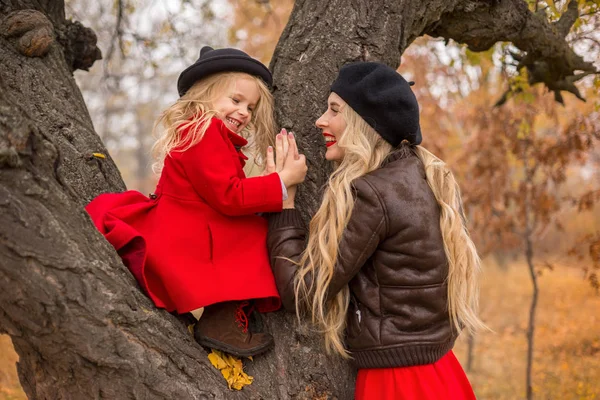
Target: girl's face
(236,105)
(333,124)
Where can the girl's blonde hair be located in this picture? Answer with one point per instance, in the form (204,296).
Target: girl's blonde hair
(195,108)
(365,150)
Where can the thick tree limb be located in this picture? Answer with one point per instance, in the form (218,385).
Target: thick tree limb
(549,59)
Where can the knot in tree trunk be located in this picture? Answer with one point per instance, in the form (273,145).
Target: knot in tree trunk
(79,44)
(33,30)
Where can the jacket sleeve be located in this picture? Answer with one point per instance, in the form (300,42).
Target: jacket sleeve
(287,240)
(211,168)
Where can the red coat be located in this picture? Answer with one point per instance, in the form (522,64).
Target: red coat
(198,240)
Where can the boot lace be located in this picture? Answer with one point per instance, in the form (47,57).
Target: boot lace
(241,316)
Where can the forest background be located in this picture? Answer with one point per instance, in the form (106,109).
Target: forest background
(529,170)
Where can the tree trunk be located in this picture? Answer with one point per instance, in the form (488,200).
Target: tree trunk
(529,173)
(81,326)
(470,351)
(531,323)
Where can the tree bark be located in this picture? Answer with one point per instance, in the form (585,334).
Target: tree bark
(81,326)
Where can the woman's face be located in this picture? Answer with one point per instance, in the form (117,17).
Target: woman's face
(333,124)
(236,105)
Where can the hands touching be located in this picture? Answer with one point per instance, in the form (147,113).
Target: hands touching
(288,163)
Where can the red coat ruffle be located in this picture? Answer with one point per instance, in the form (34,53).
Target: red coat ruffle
(197,241)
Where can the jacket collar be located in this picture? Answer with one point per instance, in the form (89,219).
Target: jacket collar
(397,154)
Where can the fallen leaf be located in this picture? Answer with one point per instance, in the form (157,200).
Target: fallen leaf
(231,368)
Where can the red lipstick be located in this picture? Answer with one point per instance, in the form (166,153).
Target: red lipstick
(329,143)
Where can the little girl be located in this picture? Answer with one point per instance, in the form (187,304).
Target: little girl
(197,241)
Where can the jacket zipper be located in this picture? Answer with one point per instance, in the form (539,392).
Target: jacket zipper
(358,315)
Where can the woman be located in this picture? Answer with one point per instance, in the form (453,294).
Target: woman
(389,272)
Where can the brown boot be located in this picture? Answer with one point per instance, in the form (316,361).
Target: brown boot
(224,326)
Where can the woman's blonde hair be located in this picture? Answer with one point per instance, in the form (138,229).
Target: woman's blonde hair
(365,151)
(195,108)
(464,263)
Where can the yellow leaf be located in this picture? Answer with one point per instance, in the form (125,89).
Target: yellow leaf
(216,360)
(227,374)
(231,368)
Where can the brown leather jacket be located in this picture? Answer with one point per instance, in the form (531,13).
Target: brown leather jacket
(392,257)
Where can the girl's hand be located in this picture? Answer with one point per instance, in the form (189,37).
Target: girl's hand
(282,147)
(270,166)
(293,166)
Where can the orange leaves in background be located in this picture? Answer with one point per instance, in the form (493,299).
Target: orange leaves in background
(258,26)
(589,247)
(530,145)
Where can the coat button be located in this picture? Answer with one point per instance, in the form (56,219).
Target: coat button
(153,196)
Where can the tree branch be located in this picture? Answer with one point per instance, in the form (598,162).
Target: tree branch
(117,35)
(566,21)
(549,59)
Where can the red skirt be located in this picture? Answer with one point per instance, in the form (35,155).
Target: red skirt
(444,379)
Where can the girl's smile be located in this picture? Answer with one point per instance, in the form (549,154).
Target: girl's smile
(236,105)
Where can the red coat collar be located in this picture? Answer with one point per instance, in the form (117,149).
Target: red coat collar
(237,141)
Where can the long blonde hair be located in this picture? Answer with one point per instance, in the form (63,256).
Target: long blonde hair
(464,263)
(194,110)
(365,151)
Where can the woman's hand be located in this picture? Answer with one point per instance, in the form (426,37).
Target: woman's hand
(291,199)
